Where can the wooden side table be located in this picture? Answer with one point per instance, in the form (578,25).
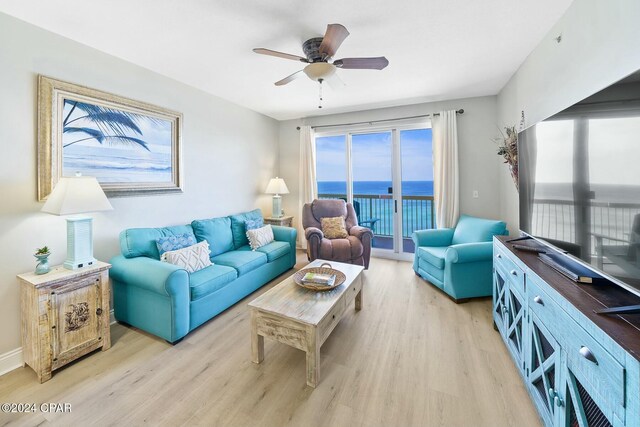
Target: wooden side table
(285,221)
(65,315)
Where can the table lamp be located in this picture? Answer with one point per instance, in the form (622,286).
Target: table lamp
(276,187)
(77,195)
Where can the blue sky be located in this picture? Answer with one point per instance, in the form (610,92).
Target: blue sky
(371,156)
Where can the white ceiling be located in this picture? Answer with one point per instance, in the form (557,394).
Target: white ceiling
(438,49)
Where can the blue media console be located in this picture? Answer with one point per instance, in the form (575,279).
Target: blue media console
(580,368)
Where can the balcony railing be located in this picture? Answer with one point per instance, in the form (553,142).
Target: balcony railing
(554,219)
(418,212)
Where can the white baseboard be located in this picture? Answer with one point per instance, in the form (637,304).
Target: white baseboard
(11,360)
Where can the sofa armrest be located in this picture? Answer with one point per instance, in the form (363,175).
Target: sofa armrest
(435,237)
(469,252)
(310,232)
(360,232)
(151,275)
(289,235)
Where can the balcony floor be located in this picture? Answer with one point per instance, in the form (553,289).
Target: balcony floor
(386,242)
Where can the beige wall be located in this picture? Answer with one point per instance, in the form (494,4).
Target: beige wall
(229,155)
(479,164)
(600,45)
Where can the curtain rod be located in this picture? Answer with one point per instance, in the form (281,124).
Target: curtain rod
(370,122)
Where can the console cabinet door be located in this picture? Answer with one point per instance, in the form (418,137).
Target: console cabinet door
(515,319)
(581,406)
(500,285)
(543,367)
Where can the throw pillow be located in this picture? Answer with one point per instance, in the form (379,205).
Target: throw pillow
(192,258)
(252,224)
(260,237)
(175,242)
(334,228)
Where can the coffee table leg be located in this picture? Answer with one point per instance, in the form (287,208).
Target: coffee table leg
(359,301)
(313,358)
(257,341)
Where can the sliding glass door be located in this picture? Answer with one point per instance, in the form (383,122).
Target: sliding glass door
(416,158)
(372,177)
(388,176)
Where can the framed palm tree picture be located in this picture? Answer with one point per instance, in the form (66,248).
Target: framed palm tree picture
(131,147)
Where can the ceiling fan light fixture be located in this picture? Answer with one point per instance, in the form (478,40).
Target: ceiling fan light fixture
(319,70)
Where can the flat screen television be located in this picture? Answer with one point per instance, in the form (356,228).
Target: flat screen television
(579,181)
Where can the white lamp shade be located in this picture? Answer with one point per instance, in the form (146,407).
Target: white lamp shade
(74,195)
(277,186)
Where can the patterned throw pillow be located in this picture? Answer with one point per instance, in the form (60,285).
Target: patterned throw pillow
(334,228)
(192,258)
(252,224)
(175,242)
(260,237)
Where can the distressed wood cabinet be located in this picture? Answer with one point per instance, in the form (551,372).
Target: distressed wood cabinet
(65,315)
(580,368)
(286,221)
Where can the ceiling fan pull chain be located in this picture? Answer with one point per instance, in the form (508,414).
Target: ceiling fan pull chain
(320,93)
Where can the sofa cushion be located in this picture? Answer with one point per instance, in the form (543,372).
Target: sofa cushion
(437,274)
(260,237)
(434,255)
(334,228)
(238,228)
(275,250)
(471,230)
(173,243)
(210,279)
(242,260)
(136,242)
(216,231)
(342,250)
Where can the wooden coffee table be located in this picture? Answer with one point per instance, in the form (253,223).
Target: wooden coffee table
(302,318)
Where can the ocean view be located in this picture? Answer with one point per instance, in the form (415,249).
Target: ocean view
(417,213)
(409,188)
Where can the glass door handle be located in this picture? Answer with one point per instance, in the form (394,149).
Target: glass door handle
(395,203)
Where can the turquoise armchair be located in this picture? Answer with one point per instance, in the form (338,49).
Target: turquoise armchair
(458,260)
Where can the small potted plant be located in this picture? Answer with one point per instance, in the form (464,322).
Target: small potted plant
(42,254)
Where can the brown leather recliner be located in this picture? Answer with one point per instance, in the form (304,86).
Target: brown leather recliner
(355,249)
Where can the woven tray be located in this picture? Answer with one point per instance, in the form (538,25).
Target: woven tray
(323,269)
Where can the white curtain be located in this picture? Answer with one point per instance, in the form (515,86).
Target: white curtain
(445,169)
(308,189)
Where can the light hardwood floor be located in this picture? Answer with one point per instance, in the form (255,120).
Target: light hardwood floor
(410,357)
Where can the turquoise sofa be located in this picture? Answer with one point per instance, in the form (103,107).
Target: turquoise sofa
(458,260)
(167,301)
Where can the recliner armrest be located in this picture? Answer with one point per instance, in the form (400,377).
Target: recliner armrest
(150,274)
(469,252)
(360,232)
(435,237)
(310,232)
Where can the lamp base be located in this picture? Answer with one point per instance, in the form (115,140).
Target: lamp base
(79,243)
(276,209)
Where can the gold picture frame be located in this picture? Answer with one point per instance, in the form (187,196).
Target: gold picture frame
(132,147)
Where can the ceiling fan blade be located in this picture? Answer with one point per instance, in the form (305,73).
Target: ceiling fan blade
(333,38)
(289,79)
(270,52)
(377,63)
(335,82)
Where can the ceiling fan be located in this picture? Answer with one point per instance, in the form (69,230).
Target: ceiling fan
(319,52)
